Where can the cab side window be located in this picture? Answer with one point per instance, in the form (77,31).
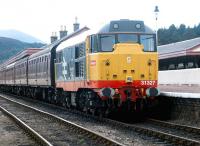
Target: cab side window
(94,43)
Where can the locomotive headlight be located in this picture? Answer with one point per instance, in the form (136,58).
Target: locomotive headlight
(149,62)
(138,26)
(107,92)
(129,79)
(150,92)
(107,62)
(115,26)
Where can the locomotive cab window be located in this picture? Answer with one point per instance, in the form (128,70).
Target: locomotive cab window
(149,42)
(94,43)
(127,38)
(107,42)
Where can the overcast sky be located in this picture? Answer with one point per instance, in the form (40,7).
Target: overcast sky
(42,17)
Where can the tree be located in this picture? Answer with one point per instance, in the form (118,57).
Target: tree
(174,34)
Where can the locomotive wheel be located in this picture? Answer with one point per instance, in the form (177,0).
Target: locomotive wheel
(66,101)
(63,102)
(101,113)
(81,100)
(32,91)
(49,96)
(94,112)
(43,94)
(139,105)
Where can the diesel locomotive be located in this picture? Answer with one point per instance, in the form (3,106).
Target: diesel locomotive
(115,68)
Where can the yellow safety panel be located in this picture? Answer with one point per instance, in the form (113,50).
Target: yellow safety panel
(127,62)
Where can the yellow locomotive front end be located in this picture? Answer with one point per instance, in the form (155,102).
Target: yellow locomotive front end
(122,64)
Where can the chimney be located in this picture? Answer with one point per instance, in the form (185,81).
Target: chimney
(63,32)
(54,37)
(76,25)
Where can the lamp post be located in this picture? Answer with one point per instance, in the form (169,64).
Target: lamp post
(156,11)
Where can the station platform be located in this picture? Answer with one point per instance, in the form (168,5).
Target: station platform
(184,91)
(180,88)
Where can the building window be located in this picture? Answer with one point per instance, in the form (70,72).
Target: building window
(77,69)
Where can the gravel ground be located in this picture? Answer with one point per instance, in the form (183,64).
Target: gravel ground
(119,134)
(12,135)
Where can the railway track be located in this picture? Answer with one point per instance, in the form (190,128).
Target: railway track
(166,131)
(12,134)
(184,128)
(118,133)
(173,133)
(36,136)
(53,129)
(159,132)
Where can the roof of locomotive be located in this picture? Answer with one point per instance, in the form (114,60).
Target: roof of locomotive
(125,25)
(74,40)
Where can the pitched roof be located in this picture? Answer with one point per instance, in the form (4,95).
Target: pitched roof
(20,55)
(179,48)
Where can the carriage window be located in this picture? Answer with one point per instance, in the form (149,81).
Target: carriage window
(127,38)
(148,41)
(107,42)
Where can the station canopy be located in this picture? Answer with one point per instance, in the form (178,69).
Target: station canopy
(184,48)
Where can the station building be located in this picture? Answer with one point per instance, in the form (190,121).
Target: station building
(180,55)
